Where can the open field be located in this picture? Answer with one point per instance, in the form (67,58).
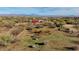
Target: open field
(29,33)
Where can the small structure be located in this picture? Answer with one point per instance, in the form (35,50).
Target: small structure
(36,21)
(40,21)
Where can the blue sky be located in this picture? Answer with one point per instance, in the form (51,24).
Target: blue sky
(51,11)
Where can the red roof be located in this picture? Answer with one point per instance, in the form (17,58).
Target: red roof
(34,21)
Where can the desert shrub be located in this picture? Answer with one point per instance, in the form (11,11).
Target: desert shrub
(33,37)
(31,46)
(70,21)
(5,39)
(67,30)
(29,28)
(15,31)
(50,25)
(26,41)
(61,21)
(40,43)
(38,31)
(62,28)
(57,24)
(77,35)
(76,26)
(8,23)
(45,23)
(0,20)
(1,23)
(75,42)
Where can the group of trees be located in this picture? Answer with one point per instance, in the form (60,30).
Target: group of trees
(69,20)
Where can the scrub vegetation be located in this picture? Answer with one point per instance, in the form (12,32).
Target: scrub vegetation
(34,33)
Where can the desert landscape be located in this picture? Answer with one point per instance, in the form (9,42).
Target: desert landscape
(34,33)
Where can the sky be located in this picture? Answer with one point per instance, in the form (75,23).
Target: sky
(43,11)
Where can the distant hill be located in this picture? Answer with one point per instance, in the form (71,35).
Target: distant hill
(36,15)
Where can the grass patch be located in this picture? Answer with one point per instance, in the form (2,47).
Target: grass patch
(6,39)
